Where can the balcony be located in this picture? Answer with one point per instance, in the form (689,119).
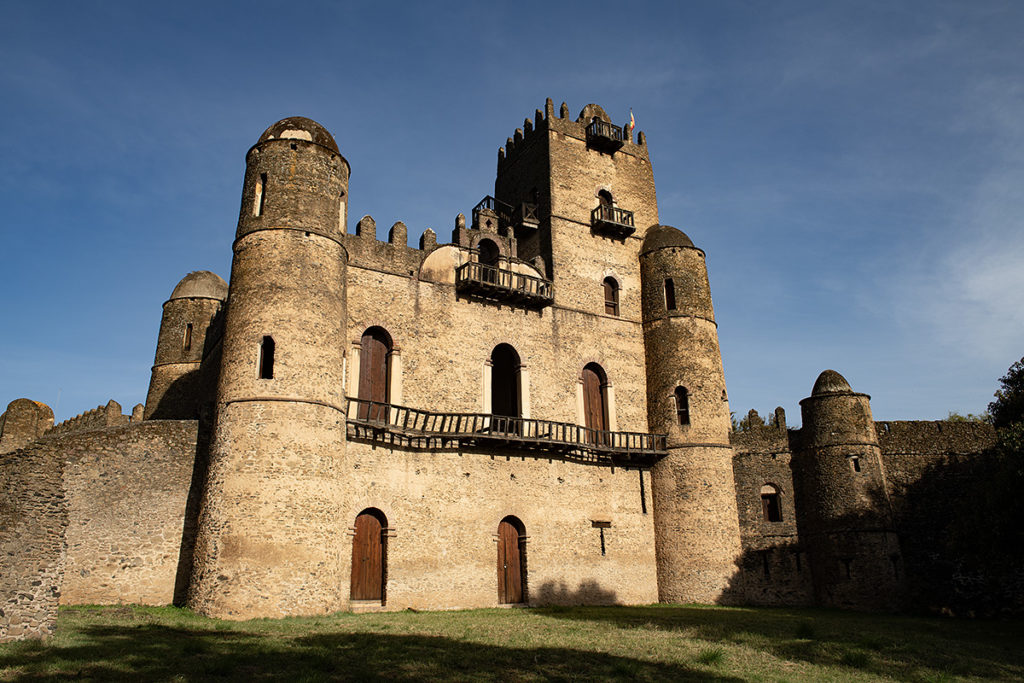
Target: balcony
(501,284)
(424,430)
(521,217)
(611,220)
(605,136)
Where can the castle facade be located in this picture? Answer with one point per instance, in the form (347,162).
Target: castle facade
(534,413)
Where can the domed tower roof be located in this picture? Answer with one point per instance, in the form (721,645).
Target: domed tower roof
(201,284)
(662,236)
(300,128)
(831,382)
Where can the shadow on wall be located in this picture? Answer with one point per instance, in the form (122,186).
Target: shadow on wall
(962,537)
(589,592)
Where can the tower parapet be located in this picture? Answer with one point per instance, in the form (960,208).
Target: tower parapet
(266,543)
(844,515)
(697,536)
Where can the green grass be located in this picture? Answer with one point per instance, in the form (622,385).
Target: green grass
(653,643)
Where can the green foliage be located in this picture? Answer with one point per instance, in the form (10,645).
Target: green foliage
(969,417)
(1009,404)
(711,655)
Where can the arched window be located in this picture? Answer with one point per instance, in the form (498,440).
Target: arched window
(611,296)
(670,294)
(771,505)
(267,358)
(682,397)
(604,197)
(374,374)
(489,252)
(595,402)
(505,390)
(370,556)
(511,561)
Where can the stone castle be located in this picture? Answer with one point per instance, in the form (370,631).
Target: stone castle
(534,413)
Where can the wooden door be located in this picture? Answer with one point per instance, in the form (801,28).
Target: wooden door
(510,566)
(367,559)
(373,376)
(595,414)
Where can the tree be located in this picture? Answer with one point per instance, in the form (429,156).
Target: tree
(1008,407)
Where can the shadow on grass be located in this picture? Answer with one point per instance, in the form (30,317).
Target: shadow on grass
(899,646)
(151,651)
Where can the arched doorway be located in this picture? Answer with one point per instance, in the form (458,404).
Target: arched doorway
(374,360)
(505,398)
(511,561)
(369,556)
(595,403)
(488,255)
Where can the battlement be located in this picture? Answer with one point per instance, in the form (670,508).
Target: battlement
(607,136)
(108,415)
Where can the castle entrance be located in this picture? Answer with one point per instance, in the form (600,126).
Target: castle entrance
(511,561)
(368,556)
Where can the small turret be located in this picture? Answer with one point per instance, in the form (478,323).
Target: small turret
(696,524)
(189,329)
(843,511)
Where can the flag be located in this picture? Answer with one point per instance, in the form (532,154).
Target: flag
(632,121)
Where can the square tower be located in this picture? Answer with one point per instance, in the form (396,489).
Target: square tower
(593,189)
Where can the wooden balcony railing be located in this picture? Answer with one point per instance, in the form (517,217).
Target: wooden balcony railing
(422,429)
(523,216)
(502,284)
(604,135)
(611,220)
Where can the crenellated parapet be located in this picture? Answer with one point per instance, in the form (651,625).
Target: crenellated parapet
(100,417)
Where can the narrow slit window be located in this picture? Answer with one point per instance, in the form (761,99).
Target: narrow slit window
(682,397)
(855,463)
(670,294)
(267,358)
(611,296)
(186,342)
(260,195)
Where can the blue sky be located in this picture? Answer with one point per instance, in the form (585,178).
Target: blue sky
(854,170)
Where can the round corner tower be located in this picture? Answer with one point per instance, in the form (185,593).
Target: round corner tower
(697,537)
(268,538)
(179,384)
(844,515)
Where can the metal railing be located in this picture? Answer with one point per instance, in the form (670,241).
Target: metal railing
(605,130)
(502,283)
(416,428)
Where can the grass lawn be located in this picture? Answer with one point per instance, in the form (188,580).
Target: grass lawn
(658,642)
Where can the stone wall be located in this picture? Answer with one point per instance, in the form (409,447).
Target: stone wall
(126,496)
(23,422)
(33,518)
(108,415)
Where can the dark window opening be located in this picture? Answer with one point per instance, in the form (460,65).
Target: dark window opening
(895,559)
(771,505)
(796,559)
(847,563)
(670,294)
(186,342)
(611,296)
(682,397)
(604,197)
(643,493)
(267,358)
(489,252)
(601,525)
(505,401)
(855,463)
(766,564)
